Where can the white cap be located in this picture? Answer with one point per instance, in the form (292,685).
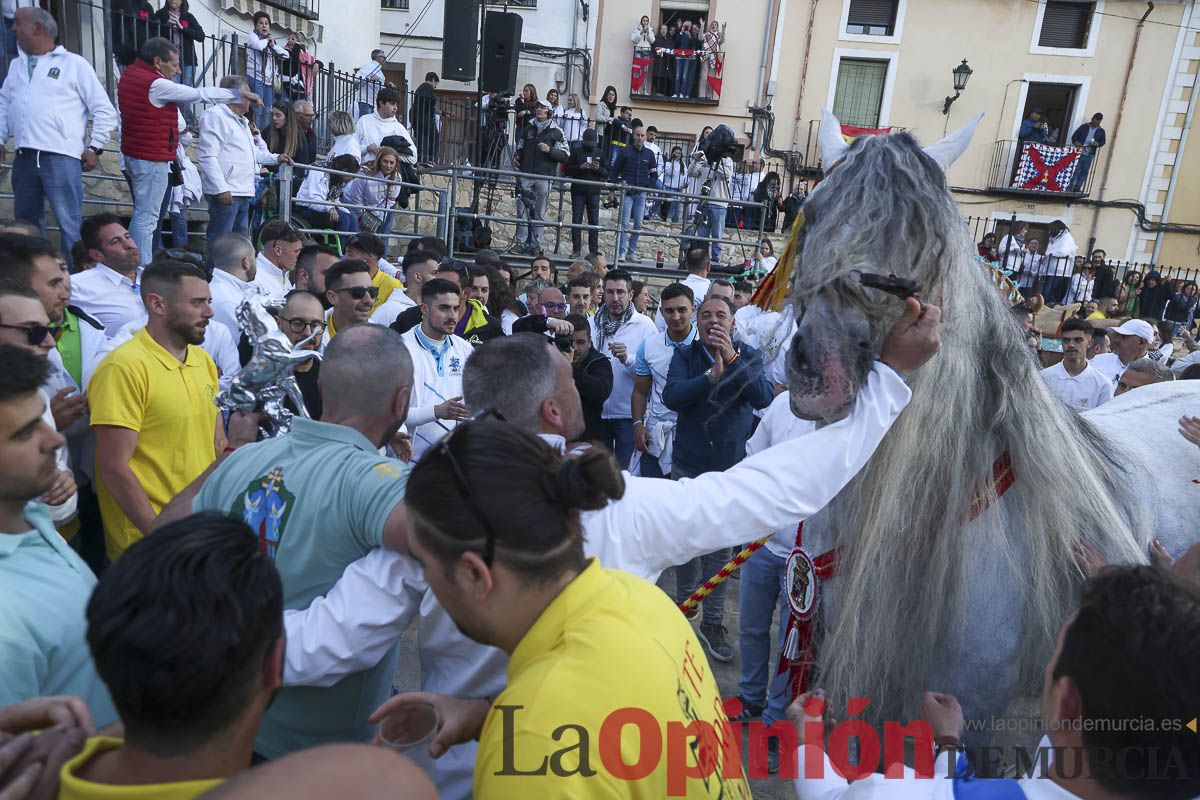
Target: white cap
(1136,327)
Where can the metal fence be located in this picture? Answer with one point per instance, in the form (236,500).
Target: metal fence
(1026,168)
(680,75)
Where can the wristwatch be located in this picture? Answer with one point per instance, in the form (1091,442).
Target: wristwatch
(98,151)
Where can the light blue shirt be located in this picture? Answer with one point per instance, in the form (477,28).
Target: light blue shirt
(654,359)
(438,351)
(44,591)
(317,499)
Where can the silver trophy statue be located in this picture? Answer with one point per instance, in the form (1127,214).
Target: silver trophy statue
(269,376)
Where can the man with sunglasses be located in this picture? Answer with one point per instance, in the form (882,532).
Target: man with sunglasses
(438,361)
(301,317)
(24,324)
(350,293)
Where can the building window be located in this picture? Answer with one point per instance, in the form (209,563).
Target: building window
(1066,25)
(513,3)
(401,5)
(872,17)
(858,98)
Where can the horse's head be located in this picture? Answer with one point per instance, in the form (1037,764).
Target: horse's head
(883,207)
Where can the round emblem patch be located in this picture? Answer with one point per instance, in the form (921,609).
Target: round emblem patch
(801,580)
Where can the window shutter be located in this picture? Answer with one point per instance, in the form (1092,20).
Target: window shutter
(1066,24)
(872,14)
(858,97)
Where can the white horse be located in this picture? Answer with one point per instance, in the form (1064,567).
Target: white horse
(949,578)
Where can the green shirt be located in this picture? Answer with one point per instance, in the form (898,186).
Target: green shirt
(44,590)
(70,347)
(318,499)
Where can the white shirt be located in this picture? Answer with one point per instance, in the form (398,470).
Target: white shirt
(65,511)
(432,387)
(699,287)
(779,424)
(271,279)
(370,81)
(228,293)
(768,332)
(229,153)
(110,297)
(50,111)
(1081,289)
(372,129)
(361,617)
(396,304)
(1109,365)
(1088,389)
(344,145)
(163,91)
(260,59)
(631,334)
(654,356)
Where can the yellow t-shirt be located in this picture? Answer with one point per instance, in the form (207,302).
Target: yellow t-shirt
(171,406)
(386,285)
(1095,315)
(73,787)
(609,641)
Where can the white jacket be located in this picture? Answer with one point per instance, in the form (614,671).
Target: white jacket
(260,58)
(50,112)
(370,607)
(371,130)
(229,153)
(431,389)
(630,334)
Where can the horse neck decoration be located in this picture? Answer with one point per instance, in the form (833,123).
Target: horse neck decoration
(929,595)
(268,378)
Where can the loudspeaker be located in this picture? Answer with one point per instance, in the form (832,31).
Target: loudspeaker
(501,50)
(460,38)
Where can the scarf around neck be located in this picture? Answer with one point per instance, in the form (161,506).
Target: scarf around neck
(608,326)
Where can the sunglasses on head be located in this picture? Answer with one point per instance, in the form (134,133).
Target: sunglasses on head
(34,334)
(359,292)
(460,478)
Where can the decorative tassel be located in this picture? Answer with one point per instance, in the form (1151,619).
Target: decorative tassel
(791,647)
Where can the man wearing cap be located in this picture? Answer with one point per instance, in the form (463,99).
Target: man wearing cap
(1091,137)
(369,80)
(1035,129)
(1130,341)
(541,149)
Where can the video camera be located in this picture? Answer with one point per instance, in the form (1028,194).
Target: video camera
(721,143)
(500,105)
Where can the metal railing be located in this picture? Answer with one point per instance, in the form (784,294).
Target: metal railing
(1040,169)
(398,223)
(680,75)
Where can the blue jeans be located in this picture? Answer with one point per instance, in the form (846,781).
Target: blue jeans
(532,207)
(760,590)
(1081,171)
(179,229)
(149,182)
(262,114)
(618,436)
(689,576)
(225,218)
(648,467)
(38,176)
(674,211)
(684,69)
(713,224)
(635,202)
(185,77)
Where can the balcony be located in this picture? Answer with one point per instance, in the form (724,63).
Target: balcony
(1028,169)
(676,76)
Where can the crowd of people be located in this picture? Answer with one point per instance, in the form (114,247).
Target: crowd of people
(540,436)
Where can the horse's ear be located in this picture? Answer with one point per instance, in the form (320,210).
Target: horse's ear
(947,151)
(830,142)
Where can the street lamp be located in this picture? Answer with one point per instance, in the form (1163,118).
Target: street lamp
(962,74)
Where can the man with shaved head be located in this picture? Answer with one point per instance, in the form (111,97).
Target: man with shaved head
(318,499)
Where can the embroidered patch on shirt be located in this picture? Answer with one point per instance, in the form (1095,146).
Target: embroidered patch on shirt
(54,73)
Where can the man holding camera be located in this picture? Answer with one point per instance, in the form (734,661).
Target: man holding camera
(1035,129)
(542,148)
(714,167)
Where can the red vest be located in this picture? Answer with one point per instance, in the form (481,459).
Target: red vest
(147,132)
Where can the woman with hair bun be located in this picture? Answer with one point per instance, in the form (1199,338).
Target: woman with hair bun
(495,515)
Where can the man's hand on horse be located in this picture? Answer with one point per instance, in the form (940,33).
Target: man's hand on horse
(914,338)
(805,710)
(943,713)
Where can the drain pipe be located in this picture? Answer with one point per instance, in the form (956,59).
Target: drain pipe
(1111,145)
(1187,126)
(808,34)
(762,65)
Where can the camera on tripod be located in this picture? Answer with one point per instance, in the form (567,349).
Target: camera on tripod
(499,107)
(721,143)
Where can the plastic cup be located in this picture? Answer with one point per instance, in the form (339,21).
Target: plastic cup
(410,730)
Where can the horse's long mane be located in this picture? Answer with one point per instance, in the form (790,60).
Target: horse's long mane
(912,558)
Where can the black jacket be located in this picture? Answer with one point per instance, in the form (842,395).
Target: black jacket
(531,160)
(190,32)
(132,23)
(574,166)
(1080,136)
(424,106)
(593,381)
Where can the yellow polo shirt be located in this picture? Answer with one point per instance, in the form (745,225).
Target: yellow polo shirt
(386,285)
(171,406)
(610,642)
(1096,315)
(73,787)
